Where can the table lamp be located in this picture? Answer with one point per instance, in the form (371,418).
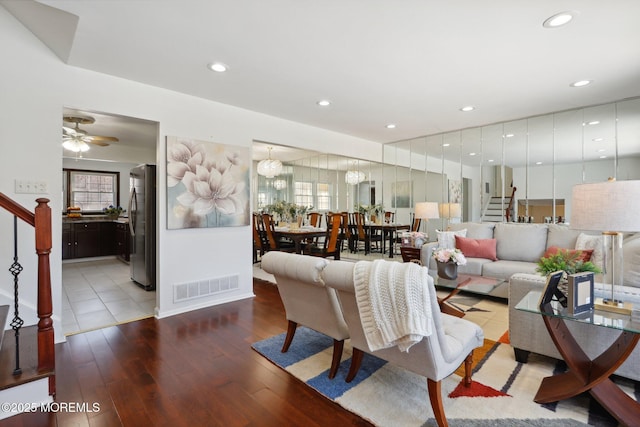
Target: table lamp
(610,207)
(426,211)
(450,211)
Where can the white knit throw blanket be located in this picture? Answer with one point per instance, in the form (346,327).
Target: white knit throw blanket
(394,303)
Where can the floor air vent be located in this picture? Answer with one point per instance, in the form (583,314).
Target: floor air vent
(203,288)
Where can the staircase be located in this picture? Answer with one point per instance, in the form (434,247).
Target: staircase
(499,209)
(27,354)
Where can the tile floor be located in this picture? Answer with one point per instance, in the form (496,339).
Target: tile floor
(96,294)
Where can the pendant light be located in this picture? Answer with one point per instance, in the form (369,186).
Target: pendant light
(269,167)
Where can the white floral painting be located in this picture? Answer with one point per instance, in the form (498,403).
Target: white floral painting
(207,184)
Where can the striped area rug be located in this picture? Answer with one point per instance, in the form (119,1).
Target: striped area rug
(501,394)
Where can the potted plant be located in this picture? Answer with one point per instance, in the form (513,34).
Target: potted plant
(113,212)
(569,261)
(448,261)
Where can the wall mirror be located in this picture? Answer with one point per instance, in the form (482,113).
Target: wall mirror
(542,157)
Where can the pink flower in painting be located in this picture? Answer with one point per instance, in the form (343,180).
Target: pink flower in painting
(209,189)
(183,157)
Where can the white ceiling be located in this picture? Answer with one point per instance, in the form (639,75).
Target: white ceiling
(412,62)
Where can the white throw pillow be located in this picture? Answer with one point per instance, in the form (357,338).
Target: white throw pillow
(588,241)
(447,240)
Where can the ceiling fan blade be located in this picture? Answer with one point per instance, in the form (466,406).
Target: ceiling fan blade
(104,138)
(100,143)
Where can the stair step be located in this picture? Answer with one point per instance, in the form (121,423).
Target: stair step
(28,358)
(4,313)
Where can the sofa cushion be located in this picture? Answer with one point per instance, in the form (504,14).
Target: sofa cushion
(474,266)
(521,242)
(475,230)
(584,256)
(562,236)
(595,242)
(446,239)
(477,248)
(504,269)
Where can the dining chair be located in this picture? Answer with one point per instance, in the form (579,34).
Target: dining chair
(389,217)
(332,242)
(359,234)
(435,357)
(260,242)
(314,219)
(275,244)
(307,301)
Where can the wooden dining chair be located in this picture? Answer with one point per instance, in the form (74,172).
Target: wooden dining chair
(389,217)
(359,234)
(260,243)
(275,244)
(314,219)
(415,223)
(332,242)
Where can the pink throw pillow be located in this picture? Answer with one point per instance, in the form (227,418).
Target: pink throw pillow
(477,248)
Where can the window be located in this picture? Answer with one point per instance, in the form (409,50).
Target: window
(324,196)
(304,193)
(92,191)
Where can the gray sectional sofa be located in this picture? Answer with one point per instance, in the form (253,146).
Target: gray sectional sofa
(518,249)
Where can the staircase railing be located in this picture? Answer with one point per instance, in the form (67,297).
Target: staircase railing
(40,219)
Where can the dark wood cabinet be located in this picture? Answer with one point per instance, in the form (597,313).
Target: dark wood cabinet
(89,239)
(122,241)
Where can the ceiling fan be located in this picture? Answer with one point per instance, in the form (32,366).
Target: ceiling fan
(78,140)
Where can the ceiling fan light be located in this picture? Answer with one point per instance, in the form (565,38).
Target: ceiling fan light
(75,146)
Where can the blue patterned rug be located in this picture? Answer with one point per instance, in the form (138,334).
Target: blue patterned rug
(501,394)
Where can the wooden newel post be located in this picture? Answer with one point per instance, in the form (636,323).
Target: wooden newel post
(46,350)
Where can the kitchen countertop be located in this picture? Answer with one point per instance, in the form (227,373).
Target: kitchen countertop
(100,218)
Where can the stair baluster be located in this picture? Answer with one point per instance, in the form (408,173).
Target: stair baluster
(15,270)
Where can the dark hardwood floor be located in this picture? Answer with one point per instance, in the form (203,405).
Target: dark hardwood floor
(193,369)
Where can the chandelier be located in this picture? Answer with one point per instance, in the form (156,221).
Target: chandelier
(279,184)
(354,177)
(269,167)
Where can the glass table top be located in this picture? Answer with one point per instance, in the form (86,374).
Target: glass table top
(470,282)
(531,303)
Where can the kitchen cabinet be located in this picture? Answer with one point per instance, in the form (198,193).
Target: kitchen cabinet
(84,239)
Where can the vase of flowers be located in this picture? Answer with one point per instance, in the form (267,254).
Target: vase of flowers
(447,261)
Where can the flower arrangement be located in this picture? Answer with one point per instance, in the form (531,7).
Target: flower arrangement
(113,211)
(453,255)
(287,209)
(567,261)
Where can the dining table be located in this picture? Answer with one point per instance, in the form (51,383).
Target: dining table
(299,234)
(388,230)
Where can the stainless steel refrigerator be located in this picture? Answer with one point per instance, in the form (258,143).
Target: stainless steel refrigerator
(142,225)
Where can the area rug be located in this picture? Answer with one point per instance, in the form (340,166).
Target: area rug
(501,394)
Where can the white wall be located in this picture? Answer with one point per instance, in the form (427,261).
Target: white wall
(35,86)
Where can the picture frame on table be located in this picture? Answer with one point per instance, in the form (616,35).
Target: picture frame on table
(551,290)
(580,293)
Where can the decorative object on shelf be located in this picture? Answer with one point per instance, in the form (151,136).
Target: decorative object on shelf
(612,208)
(447,261)
(269,167)
(427,211)
(74,212)
(113,212)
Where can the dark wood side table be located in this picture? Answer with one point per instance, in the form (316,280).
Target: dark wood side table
(586,374)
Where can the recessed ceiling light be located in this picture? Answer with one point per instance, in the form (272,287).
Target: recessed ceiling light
(446,145)
(218,67)
(390,126)
(593,122)
(602,150)
(490,160)
(603,157)
(559,19)
(597,139)
(538,163)
(581,83)
(509,135)
(468,108)
(472,154)
(324,103)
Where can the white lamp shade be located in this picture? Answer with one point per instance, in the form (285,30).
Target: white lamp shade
(450,210)
(427,210)
(606,206)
